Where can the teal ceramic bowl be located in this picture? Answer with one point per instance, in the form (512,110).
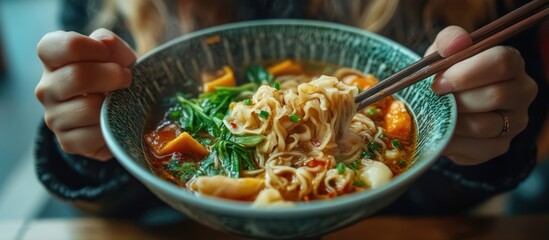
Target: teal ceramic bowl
(175,66)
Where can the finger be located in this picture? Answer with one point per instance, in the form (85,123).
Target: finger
(489,124)
(85,141)
(78,112)
(82,78)
(60,48)
(103,154)
(493,65)
(480,125)
(502,95)
(451,40)
(466,151)
(120,51)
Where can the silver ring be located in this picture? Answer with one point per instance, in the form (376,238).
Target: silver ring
(506,124)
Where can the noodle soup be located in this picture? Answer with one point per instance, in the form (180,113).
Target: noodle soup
(290,132)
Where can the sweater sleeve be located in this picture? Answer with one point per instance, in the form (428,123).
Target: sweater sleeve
(103,188)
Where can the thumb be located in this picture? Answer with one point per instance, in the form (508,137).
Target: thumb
(120,51)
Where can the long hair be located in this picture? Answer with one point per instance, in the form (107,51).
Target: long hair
(411,22)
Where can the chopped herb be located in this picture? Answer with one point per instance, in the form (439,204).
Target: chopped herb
(396,144)
(277,85)
(373,146)
(264,114)
(360,183)
(354,165)
(367,155)
(248,102)
(359,88)
(341,168)
(372,111)
(383,135)
(294,118)
(402,163)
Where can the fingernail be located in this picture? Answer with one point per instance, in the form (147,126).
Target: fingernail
(443,86)
(514,50)
(101,34)
(128,78)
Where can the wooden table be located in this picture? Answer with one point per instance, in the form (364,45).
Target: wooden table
(520,227)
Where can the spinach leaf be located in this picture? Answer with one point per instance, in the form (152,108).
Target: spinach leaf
(208,166)
(193,118)
(229,154)
(183,171)
(217,102)
(248,140)
(259,75)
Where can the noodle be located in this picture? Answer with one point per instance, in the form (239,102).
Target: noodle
(305,140)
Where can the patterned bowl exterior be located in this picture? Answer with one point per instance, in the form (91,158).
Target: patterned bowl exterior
(175,66)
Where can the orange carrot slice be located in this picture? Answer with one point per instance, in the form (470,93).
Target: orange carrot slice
(184,143)
(286,67)
(227,80)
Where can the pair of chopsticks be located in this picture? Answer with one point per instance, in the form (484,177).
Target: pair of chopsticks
(483,38)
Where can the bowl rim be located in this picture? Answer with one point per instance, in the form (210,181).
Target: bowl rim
(237,208)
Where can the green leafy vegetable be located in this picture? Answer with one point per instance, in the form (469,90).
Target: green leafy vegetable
(218,101)
(248,140)
(175,113)
(229,154)
(232,156)
(208,166)
(259,75)
(182,171)
(193,118)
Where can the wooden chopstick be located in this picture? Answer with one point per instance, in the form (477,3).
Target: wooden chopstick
(476,36)
(484,38)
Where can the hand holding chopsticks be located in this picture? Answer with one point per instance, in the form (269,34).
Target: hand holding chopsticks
(484,38)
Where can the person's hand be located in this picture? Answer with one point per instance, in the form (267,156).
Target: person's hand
(490,88)
(78,72)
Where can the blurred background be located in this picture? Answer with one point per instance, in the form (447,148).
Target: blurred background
(22,24)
